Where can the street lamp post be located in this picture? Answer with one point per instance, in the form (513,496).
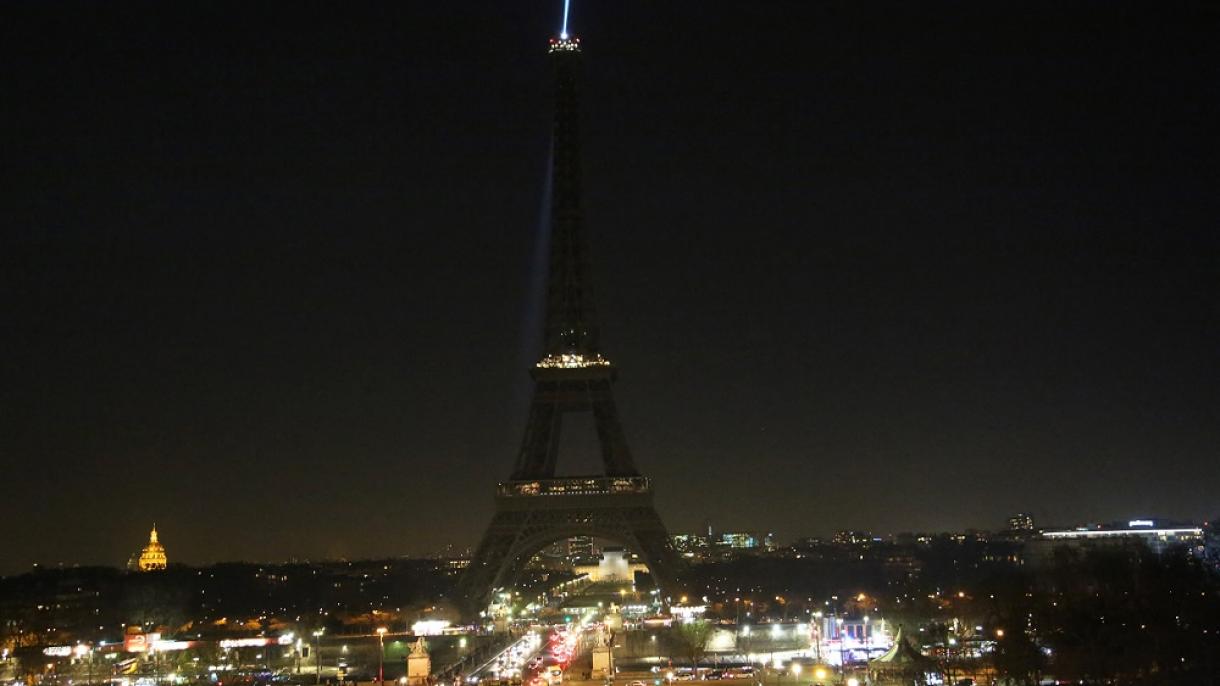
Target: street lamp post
(317,655)
(381,630)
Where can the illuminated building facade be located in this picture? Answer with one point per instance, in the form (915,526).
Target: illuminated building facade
(615,565)
(689,543)
(152,558)
(1134,535)
(739,540)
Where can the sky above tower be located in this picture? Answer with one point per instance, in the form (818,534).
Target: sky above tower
(266,269)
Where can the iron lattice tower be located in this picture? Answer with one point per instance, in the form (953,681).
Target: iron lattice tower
(536,507)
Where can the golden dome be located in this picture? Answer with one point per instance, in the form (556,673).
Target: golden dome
(153,555)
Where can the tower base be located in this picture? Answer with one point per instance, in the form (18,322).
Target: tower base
(531,515)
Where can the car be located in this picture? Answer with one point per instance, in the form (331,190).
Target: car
(636,683)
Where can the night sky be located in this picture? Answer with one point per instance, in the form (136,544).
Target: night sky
(266,269)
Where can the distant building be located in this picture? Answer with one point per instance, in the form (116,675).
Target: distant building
(580,547)
(565,552)
(615,565)
(152,558)
(692,544)
(1021,522)
(902,564)
(738,540)
(1149,534)
(851,538)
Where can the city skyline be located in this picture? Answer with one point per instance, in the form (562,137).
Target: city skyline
(274,284)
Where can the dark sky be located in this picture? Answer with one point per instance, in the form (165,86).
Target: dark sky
(265,267)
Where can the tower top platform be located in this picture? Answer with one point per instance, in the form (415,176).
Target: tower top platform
(565,43)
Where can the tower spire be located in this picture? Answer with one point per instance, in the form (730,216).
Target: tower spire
(570,333)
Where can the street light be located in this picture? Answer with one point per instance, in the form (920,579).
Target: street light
(381,656)
(317,655)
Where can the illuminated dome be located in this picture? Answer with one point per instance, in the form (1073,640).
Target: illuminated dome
(153,556)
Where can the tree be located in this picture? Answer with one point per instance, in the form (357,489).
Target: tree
(693,637)
(1018,659)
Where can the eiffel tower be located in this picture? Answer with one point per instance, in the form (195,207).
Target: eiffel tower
(535,508)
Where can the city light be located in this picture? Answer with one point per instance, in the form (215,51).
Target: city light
(597,528)
(572,361)
(430,626)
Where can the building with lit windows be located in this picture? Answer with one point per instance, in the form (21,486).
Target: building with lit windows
(852,538)
(738,540)
(1021,522)
(688,542)
(580,548)
(1136,534)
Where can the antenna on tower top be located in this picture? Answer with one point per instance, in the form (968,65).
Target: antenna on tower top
(563,33)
